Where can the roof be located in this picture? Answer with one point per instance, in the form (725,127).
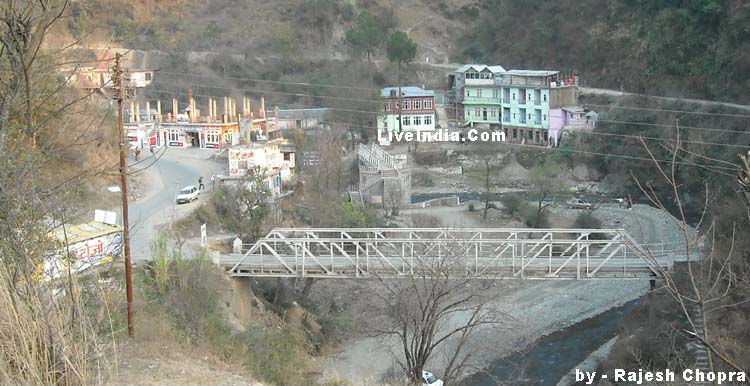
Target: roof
(407,91)
(532,72)
(82,232)
(480,68)
(574,109)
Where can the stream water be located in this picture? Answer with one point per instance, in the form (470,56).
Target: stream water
(554,355)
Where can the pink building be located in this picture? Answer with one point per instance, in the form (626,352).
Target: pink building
(569,118)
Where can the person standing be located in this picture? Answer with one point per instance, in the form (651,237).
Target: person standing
(200,183)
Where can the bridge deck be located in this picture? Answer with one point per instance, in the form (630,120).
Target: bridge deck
(482,253)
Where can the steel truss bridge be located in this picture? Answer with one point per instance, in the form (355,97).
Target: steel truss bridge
(491,253)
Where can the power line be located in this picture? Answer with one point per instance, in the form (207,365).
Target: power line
(667,110)
(624,156)
(306,84)
(261,91)
(673,126)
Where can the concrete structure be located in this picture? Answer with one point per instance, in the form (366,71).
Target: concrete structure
(303,119)
(267,156)
(478,99)
(98,78)
(521,103)
(542,254)
(384,179)
(415,108)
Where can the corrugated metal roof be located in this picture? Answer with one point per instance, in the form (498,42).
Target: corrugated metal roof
(481,67)
(407,91)
(532,72)
(82,232)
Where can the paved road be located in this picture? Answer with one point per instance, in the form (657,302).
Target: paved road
(705,102)
(159,183)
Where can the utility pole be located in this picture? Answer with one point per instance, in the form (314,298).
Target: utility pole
(119,88)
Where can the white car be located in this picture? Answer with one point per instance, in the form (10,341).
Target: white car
(430,379)
(187,194)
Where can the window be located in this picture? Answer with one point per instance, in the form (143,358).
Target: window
(387,106)
(212,136)
(428,120)
(479,93)
(493,113)
(148,76)
(407,104)
(468,92)
(495,93)
(417,120)
(531,134)
(174,135)
(287,156)
(417,104)
(428,104)
(515,133)
(228,137)
(546,136)
(477,112)
(405,120)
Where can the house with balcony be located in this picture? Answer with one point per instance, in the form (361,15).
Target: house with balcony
(477,99)
(413,110)
(518,102)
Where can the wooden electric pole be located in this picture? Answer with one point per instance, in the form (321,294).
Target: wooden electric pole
(119,92)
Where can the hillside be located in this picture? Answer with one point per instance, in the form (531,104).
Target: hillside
(675,48)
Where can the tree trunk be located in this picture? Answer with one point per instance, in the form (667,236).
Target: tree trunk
(369,66)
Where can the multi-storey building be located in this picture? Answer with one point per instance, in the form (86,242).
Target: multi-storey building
(415,108)
(518,102)
(478,99)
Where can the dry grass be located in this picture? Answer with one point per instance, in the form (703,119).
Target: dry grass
(46,337)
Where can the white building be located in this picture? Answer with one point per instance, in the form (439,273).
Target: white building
(415,107)
(272,157)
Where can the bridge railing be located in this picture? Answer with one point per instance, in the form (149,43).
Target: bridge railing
(484,253)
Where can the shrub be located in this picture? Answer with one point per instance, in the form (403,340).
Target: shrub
(512,203)
(586,220)
(532,218)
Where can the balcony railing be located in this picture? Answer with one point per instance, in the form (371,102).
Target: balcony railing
(522,101)
(486,100)
(506,119)
(537,102)
(537,122)
(522,121)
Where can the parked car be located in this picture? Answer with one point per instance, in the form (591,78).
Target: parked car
(577,203)
(188,194)
(430,379)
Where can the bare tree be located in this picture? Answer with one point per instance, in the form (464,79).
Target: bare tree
(704,282)
(48,149)
(546,183)
(434,313)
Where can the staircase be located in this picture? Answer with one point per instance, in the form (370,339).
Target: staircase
(375,166)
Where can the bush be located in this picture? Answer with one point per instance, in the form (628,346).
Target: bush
(512,203)
(532,218)
(586,220)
